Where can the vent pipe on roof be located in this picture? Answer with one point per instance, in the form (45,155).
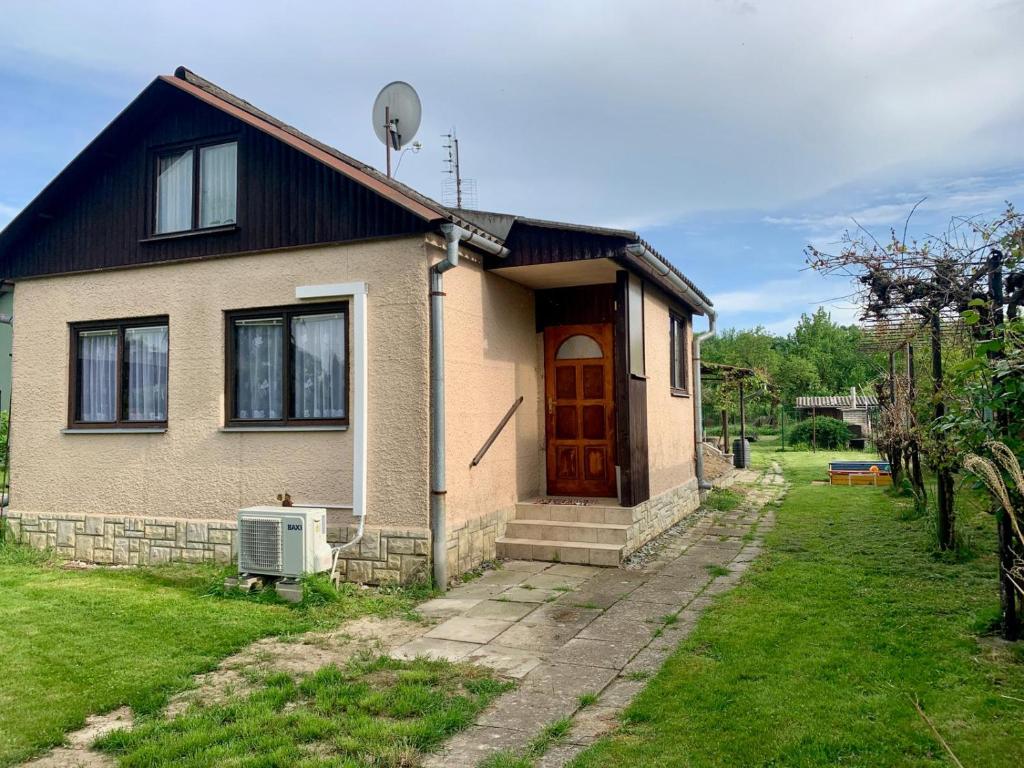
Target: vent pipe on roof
(642,252)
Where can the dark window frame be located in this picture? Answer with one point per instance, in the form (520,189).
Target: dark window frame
(678,369)
(156,153)
(286,312)
(120,325)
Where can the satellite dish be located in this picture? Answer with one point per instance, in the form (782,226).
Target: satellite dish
(396,114)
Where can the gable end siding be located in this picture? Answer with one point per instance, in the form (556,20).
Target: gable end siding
(97,215)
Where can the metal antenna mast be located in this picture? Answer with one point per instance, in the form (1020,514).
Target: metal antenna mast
(453,164)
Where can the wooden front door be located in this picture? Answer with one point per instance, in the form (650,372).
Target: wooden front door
(580,410)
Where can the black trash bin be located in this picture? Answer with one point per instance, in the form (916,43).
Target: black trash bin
(740,453)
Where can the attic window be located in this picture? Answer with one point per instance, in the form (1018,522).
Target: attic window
(196,187)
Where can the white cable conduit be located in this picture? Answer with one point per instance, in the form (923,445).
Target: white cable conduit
(358,417)
(642,252)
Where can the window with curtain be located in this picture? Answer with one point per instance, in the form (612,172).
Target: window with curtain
(120,373)
(196,188)
(288,366)
(677,345)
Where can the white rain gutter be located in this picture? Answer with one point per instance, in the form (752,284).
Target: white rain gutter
(453,236)
(642,252)
(358,418)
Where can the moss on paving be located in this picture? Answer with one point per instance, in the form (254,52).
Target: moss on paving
(374,712)
(74,643)
(817,657)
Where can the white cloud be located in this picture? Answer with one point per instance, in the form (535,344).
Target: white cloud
(636,113)
(778,304)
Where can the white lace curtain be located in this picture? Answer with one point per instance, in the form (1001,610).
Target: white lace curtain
(145,352)
(218,186)
(258,374)
(319,348)
(174,192)
(97,376)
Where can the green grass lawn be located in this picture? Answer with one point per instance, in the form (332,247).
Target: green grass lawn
(74,643)
(375,712)
(818,656)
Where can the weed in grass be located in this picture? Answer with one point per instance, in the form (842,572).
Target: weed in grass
(716,570)
(373,711)
(723,500)
(586,700)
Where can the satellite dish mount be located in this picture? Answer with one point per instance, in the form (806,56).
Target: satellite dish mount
(396,116)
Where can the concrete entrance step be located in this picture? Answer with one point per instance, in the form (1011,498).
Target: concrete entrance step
(607,511)
(558,530)
(552,551)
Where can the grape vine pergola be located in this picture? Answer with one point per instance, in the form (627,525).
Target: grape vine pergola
(915,292)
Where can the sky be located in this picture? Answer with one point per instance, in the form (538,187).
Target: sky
(729,133)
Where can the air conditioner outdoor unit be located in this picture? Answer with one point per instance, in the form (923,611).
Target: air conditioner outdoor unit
(283,541)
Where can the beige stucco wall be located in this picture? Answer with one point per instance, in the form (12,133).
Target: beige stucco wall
(670,439)
(194,470)
(491,359)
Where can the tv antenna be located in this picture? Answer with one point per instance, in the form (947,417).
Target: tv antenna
(396,116)
(457,190)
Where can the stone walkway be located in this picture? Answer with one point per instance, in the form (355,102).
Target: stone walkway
(569,631)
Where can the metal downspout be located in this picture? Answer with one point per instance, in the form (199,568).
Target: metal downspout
(438,484)
(453,235)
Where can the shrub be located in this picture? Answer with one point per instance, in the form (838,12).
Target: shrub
(829,433)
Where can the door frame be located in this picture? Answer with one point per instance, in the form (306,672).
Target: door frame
(604,335)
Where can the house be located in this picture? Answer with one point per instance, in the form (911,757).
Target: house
(214,310)
(856,410)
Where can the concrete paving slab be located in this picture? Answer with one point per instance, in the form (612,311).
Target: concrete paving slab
(476,590)
(547,580)
(467,629)
(527,566)
(592,723)
(475,744)
(507,578)
(621,692)
(538,638)
(559,756)
(612,654)
(559,614)
(567,680)
(529,595)
(576,571)
(512,662)
(434,648)
(612,629)
(445,607)
(670,597)
(527,710)
(503,610)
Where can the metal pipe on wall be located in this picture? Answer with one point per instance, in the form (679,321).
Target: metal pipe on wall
(453,236)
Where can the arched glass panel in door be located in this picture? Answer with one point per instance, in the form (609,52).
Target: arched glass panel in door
(579,347)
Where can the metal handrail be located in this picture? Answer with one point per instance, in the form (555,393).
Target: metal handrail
(497,431)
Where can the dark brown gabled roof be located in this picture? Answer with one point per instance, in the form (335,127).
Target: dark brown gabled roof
(401,194)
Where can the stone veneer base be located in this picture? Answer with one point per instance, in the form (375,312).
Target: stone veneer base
(384,555)
(659,513)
